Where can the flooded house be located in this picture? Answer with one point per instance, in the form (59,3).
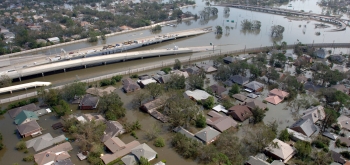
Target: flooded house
(254,86)
(240,112)
(29,128)
(240,80)
(320,53)
(207,135)
(276,96)
(283,152)
(29,107)
(220,122)
(44,141)
(56,153)
(253,104)
(25,117)
(130,86)
(113,129)
(88,102)
(145,151)
(197,95)
(304,126)
(217,89)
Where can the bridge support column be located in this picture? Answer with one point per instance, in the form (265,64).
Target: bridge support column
(42,74)
(85,66)
(105,63)
(20,79)
(11,92)
(64,69)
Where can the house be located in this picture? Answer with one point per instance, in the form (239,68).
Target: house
(282,151)
(44,141)
(64,162)
(96,117)
(276,96)
(163,79)
(304,126)
(114,144)
(337,157)
(314,114)
(207,68)
(341,87)
(320,53)
(192,70)
(330,135)
(345,140)
(340,68)
(304,59)
(152,105)
(239,97)
(256,161)
(29,107)
(344,121)
(54,154)
(54,40)
(129,85)
(252,95)
(337,58)
(220,122)
(197,95)
(238,79)
(25,116)
(144,83)
(311,87)
(217,89)
(254,86)
(240,112)
(296,136)
(88,102)
(207,135)
(107,158)
(180,73)
(301,79)
(113,129)
(35,28)
(291,55)
(143,150)
(220,108)
(185,132)
(129,160)
(230,59)
(256,104)
(100,92)
(29,128)
(9,35)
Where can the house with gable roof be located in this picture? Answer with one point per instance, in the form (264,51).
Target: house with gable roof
(220,122)
(25,117)
(207,135)
(282,151)
(304,126)
(88,102)
(314,114)
(143,150)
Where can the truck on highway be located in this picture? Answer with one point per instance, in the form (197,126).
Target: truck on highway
(53,59)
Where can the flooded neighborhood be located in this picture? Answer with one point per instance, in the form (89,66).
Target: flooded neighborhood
(182,82)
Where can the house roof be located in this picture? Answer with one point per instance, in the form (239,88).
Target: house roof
(217,89)
(230,59)
(277,162)
(185,132)
(273,100)
(207,68)
(165,78)
(242,112)
(99,91)
(301,79)
(298,136)
(207,134)
(340,87)
(180,73)
(107,158)
(252,95)
(24,115)
(321,53)
(344,122)
(114,144)
(44,141)
(239,97)
(192,70)
(337,157)
(89,100)
(15,111)
(113,128)
(254,85)
(57,153)
(238,79)
(95,117)
(314,114)
(153,104)
(197,94)
(220,122)
(283,150)
(64,162)
(28,127)
(143,150)
(311,87)
(330,135)
(306,125)
(220,108)
(129,160)
(256,104)
(279,93)
(256,161)
(129,85)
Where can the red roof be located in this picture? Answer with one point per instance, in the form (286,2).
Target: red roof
(274,100)
(279,93)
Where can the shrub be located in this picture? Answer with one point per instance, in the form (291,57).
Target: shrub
(33,100)
(134,76)
(159,142)
(164,161)
(166,70)
(21,145)
(318,144)
(28,158)
(345,154)
(17,104)
(326,150)
(105,82)
(117,78)
(134,135)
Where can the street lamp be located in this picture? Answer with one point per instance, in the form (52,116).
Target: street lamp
(213,46)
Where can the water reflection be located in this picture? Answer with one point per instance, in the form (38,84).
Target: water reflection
(250,31)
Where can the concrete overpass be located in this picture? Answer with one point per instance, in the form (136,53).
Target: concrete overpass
(288,12)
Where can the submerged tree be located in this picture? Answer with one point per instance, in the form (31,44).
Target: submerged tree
(277,31)
(5,80)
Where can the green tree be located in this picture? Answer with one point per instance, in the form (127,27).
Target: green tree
(218,30)
(50,97)
(330,118)
(153,132)
(156,28)
(221,159)
(5,81)
(185,146)
(258,115)
(284,135)
(144,161)
(75,89)
(139,97)
(88,134)
(159,142)
(227,103)
(112,106)
(303,149)
(177,64)
(176,82)
(234,90)
(200,121)
(272,75)
(62,108)
(21,145)
(154,90)
(195,82)
(258,137)
(208,103)
(322,158)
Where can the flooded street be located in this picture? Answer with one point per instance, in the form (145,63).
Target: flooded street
(233,38)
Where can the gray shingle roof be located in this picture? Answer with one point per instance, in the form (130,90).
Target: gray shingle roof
(305,127)
(144,150)
(207,134)
(239,79)
(129,160)
(89,100)
(254,85)
(44,141)
(185,132)
(28,127)
(30,107)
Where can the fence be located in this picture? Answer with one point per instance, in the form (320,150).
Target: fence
(183,60)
